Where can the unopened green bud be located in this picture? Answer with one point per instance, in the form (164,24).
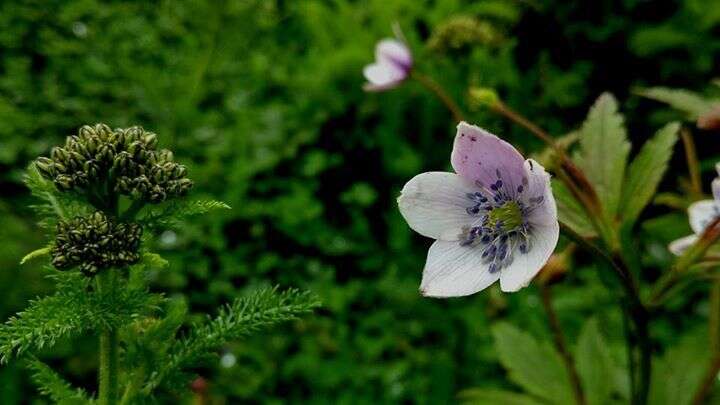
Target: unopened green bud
(482,97)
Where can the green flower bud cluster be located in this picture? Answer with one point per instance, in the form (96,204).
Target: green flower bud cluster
(462,31)
(94,243)
(123,160)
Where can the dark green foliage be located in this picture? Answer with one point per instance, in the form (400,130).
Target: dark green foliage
(262,101)
(52,385)
(69,313)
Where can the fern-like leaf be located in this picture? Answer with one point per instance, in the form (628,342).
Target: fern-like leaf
(52,385)
(691,103)
(52,205)
(172,213)
(264,308)
(69,313)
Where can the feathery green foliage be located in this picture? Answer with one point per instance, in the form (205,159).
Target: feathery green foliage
(52,385)
(70,312)
(174,212)
(244,316)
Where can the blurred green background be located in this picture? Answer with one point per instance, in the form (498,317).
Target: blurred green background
(263,101)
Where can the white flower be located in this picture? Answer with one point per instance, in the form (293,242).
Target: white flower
(495,218)
(392,66)
(701,214)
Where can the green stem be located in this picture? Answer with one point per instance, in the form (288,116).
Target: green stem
(710,376)
(692,162)
(441,94)
(634,307)
(108,371)
(561,345)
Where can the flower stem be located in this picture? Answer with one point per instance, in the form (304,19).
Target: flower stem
(692,161)
(441,94)
(708,380)
(108,372)
(560,344)
(634,308)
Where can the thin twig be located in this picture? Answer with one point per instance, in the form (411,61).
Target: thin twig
(441,94)
(560,344)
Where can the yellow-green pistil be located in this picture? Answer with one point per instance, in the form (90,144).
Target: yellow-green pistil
(506,217)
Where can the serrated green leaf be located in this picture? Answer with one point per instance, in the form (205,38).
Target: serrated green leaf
(534,366)
(604,151)
(677,375)
(489,396)
(173,212)
(646,172)
(691,103)
(594,364)
(570,212)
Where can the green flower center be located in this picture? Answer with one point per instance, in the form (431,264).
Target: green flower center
(506,217)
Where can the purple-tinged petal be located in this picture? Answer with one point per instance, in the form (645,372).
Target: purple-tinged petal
(702,213)
(382,76)
(538,196)
(395,52)
(679,246)
(453,270)
(716,189)
(483,158)
(525,266)
(435,204)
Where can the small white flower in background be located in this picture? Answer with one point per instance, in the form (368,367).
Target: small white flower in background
(393,62)
(701,214)
(495,218)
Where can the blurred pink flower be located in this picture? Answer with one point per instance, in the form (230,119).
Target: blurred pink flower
(495,218)
(701,214)
(392,66)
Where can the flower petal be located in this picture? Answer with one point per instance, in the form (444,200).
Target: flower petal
(538,187)
(395,52)
(701,213)
(526,265)
(452,270)
(716,189)
(480,156)
(434,204)
(382,76)
(679,246)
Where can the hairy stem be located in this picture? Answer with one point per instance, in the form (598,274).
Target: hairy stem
(108,371)
(441,94)
(560,343)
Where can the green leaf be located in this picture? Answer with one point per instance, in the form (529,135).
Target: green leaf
(35,254)
(174,212)
(646,171)
(488,396)
(691,103)
(244,316)
(594,364)
(70,312)
(533,365)
(677,375)
(52,385)
(604,150)
(570,212)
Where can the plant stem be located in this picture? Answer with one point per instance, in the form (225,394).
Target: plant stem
(634,307)
(710,376)
(441,94)
(108,372)
(560,345)
(692,161)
